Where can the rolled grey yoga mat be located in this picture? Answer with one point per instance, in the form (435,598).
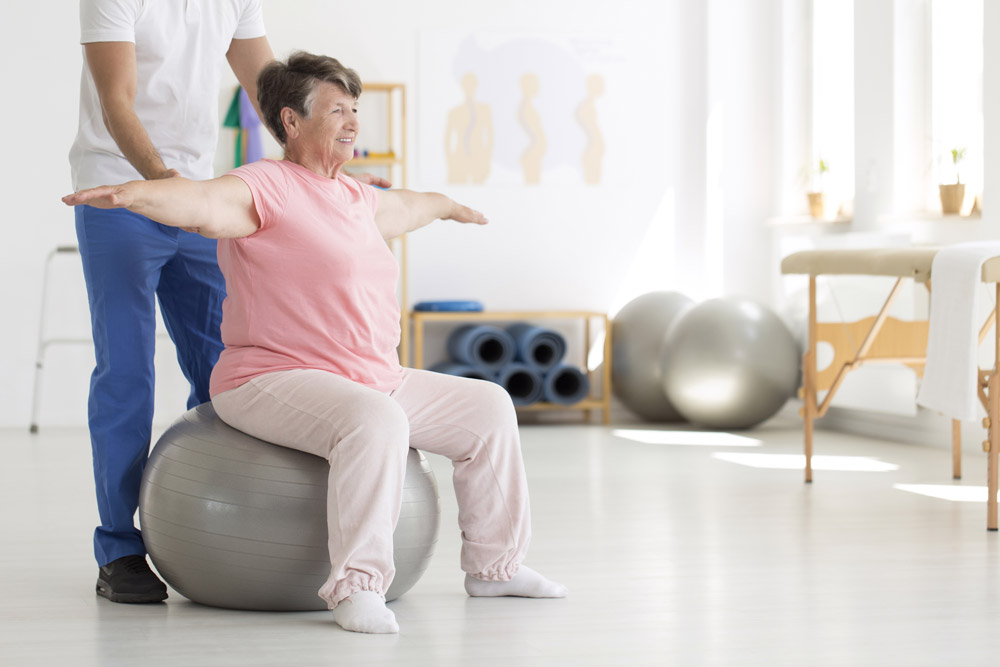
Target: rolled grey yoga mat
(461,370)
(565,385)
(487,347)
(542,349)
(522,382)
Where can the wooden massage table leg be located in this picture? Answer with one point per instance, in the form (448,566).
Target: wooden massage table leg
(809,380)
(993,412)
(956,449)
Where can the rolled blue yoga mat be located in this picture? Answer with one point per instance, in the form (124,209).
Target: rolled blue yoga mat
(461,370)
(542,349)
(486,347)
(565,385)
(522,382)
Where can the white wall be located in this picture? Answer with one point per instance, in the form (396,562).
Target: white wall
(874,107)
(690,217)
(40,68)
(745,42)
(991,112)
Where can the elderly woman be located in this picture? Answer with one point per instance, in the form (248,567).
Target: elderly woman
(311,326)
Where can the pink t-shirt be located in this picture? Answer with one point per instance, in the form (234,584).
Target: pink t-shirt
(314,287)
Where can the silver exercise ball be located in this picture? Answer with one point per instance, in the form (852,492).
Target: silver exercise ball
(233,521)
(637,336)
(729,363)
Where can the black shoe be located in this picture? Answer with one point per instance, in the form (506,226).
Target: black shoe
(129,579)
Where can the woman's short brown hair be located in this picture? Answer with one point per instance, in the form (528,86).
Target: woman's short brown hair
(291,84)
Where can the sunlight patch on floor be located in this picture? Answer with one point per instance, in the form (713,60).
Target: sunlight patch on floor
(686,438)
(958,494)
(798,462)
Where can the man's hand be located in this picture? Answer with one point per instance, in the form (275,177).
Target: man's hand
(372,179)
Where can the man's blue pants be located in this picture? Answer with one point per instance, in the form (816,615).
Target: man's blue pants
(130,261)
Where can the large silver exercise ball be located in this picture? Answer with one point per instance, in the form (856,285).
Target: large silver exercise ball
(729,363)
(233,521)
(638,332)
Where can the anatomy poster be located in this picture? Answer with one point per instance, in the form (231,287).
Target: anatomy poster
(515,110)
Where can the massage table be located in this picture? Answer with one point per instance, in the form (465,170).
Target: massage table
(883,339)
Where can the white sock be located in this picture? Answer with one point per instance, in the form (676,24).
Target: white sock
(365,611)
(526,584)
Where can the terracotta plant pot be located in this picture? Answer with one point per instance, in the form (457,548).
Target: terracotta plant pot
(817,208)
(952,197)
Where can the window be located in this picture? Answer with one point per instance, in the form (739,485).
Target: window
(833,99)
(956,94)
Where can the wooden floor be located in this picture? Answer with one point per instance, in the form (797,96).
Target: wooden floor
(673,556)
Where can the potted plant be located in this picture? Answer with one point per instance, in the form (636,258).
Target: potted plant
(953,194)
(817,205)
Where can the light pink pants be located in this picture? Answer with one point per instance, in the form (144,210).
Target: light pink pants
(365,435)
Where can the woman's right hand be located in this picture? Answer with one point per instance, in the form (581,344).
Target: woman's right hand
(104,196)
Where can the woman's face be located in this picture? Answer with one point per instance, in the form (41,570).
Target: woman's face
(332,126)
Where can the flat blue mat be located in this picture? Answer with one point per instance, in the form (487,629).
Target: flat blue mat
(449,306)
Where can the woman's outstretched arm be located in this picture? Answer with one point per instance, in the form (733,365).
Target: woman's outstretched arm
(218,208)
(402,211)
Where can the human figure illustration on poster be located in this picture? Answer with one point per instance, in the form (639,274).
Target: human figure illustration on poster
(586,116)
(469,137)
(531,121)
(520,110)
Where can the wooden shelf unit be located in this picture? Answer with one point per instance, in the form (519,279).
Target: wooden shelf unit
(393,142)
(361,162)
(599,380)
(393,160)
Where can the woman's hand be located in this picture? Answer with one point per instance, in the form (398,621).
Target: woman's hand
(462,213)
(104,196)
(217,208)
(111,196)
(402,211)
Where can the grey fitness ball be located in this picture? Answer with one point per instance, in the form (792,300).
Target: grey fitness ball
(233,521)
(638,333)
(729,363)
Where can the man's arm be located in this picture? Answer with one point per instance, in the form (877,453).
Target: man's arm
(402,211)
(112,65)
(247,58)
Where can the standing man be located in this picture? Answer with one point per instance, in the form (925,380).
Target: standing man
(149,101)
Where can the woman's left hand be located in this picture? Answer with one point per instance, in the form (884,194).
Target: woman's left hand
(462,213)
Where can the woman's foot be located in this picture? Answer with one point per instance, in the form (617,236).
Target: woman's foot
(365,611)
(526,584)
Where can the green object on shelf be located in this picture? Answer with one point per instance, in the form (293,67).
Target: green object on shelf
(233,120)
(242,117)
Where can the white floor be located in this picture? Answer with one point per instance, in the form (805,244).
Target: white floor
(673,556)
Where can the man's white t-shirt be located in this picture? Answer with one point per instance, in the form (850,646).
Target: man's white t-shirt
(180,51)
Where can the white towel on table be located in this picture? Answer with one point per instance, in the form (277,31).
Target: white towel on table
(951,375)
